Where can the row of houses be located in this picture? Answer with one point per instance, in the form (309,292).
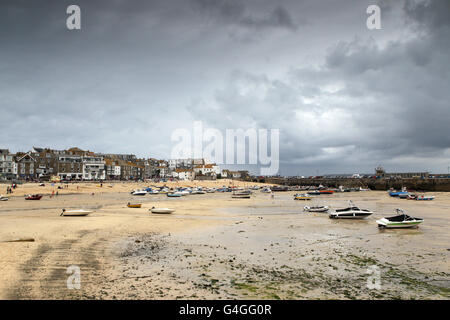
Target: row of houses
(77,164)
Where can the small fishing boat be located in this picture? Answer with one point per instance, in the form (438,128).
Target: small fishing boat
(302,196)
(75,213)
(174,195)
(280,188)
(425,198)
(316,208)
(33,197)
(395,193)
(2,198)
(326,191)
(266,190)
(162,210)
(139,193)
(244,194)
(403,195)
(351,212)
(314,192)
(135,205)
(401,220)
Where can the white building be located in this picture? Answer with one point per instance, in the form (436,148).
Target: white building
(94,168)
(207,169)
(185,163)
(184,174)
(8,167)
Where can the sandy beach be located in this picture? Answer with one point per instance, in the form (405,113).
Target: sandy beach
(215,247)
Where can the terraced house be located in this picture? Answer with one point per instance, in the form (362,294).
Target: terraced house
(26,166)
(70,167)
(8,167)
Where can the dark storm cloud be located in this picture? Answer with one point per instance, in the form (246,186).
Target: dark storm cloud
(344,98)
(235,12)
(365,104)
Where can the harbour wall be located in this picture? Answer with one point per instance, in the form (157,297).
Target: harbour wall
(374,184)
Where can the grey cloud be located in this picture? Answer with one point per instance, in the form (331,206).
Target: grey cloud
(344,98)
(235,12)
(387,103)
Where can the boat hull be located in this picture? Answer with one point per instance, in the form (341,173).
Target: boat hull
(134,205)
(349,215)
(162,210)
(316,209)
(76,213)
(34,198)
(384,223)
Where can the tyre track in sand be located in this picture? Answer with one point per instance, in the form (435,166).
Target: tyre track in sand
(44,275)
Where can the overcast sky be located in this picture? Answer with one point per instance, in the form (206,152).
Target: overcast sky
(344,98)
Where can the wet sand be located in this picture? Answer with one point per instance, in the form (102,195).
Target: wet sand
(217,247)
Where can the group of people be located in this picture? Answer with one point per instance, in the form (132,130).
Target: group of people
(10,189)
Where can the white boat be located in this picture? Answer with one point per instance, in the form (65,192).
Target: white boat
(316,208)
(266,190)
(351,212)
(139,193)
(242,194)
(401,220)
(162,210)
(425,198)
(75,213)
(2,198)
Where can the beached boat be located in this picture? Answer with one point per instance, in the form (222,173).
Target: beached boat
(316,208)
(313,192)
(395,193)
(244,194)
(412,196)
(302,196)
(266,190)
(326,191)
(139,193)
(135,205)
(174,195)
(241,196)
(162,210)
(75,213)
(2,198)
(425,198)
(280,188)
(33,197)
(351,212)
(401,220)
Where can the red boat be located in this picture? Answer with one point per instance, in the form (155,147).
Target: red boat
(33,197)
(326,191)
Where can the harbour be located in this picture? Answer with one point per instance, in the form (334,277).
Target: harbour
(216,247)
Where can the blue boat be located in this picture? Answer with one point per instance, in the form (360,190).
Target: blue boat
(174,195)
(397,193)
